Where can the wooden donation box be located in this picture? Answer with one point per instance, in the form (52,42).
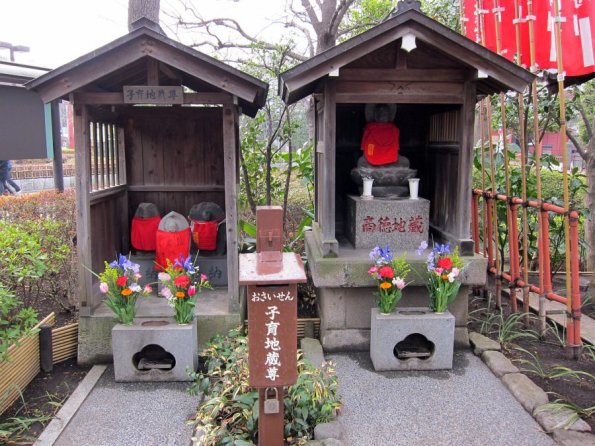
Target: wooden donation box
(271,277)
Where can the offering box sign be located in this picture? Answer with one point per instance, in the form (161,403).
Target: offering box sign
(272,340)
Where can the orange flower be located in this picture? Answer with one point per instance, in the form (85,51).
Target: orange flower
(126,292)
(180,294)
(444,276)
(385,285)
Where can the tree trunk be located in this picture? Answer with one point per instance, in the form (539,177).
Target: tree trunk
(142,8)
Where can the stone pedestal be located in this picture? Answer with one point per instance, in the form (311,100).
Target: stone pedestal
(411,339)
(402,224)
(154,350)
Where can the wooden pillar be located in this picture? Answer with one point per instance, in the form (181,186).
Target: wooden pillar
(57,143)
(230,163)
(330,246)
(83,209)
(462,226)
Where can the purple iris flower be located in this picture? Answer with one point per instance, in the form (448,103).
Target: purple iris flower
(185,263)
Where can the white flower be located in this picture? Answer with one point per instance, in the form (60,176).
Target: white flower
(163,277)
(135,287)
(399,283)
(451,277)
(166,292)
(456,272)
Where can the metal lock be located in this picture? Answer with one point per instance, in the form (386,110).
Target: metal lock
(271,406)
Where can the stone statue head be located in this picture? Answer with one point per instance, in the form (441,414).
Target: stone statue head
(380,112)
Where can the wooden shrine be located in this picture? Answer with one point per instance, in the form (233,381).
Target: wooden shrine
(155,121)
(435,77)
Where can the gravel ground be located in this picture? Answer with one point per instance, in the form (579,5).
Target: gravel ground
(132,414)
(464,406)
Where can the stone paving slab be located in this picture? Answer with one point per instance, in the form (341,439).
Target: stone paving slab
(466,406)
(132,414)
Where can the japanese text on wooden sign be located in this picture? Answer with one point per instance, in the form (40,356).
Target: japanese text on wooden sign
(153,94)
(384,224)
(272,342)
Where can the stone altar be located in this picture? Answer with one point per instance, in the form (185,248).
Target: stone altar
(402,223)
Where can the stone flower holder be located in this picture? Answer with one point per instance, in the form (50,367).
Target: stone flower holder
(412,339)
(154,350)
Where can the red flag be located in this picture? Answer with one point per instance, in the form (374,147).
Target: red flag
(577,18)
(470,20)
(499,19)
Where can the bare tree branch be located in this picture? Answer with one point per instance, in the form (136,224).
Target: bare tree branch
(582,152)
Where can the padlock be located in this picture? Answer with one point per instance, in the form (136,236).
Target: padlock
(271,406)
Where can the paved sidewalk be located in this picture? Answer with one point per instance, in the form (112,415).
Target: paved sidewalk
(131,414)
(466,406)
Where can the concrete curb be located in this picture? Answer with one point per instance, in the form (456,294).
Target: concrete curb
(529,395)
(53,430)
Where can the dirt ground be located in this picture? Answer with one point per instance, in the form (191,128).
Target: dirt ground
(545,358)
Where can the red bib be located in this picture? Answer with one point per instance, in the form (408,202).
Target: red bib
(381,143)
(143,233)
(170,246)
(204,234)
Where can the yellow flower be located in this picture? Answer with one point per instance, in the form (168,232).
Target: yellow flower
(180,294)
(385,285)
(444,276)
(126,292)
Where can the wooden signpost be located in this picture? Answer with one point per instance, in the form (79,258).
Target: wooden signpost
(272,277)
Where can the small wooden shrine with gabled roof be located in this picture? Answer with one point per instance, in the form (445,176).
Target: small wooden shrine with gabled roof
(435,77)
(155,121)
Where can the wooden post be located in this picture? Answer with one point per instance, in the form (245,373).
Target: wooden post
(330,246)
(46,353)
(230,143)
(83,210)
(57,142)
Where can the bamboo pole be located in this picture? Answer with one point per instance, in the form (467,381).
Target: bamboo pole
(570,335)
(541,235)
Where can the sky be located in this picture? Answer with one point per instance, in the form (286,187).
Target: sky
(58,31)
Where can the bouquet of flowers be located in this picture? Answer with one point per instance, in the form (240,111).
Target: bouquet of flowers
(119,283)
(391,274)
(181,283)
(444,271)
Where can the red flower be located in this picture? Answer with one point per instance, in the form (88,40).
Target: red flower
(182,281)
(121,281)
(386,272)
(445,263)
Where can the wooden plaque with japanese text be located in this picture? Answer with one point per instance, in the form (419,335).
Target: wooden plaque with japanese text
(272,335)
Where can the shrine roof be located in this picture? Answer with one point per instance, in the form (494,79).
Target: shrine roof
(492,73)
(124,61)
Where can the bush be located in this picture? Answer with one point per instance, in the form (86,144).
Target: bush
(37,251)
(229,414)
(15,321)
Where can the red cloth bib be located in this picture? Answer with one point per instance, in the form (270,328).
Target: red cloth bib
(143,233)
(381,143)
(170,246)
(204,234)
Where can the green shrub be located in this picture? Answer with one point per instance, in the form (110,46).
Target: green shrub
(15,321)
(229,414)
(37,252)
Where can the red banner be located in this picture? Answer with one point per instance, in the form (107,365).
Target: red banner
(577,18)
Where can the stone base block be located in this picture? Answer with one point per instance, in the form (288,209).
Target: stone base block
(400,223)
(412,339)
(154,350)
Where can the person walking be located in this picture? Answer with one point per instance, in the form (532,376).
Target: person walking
(7,184)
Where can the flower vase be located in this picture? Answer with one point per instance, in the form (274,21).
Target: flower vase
(414,188)
(367,188)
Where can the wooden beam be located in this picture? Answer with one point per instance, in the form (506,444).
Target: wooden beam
(401,87)
(83,211)
(172,74)
(383,74)
(103,194)
(116,98)
(466,125)
(230,147)
(173,188)
(208,73)
(397,98)
(330,246)
(152,71)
